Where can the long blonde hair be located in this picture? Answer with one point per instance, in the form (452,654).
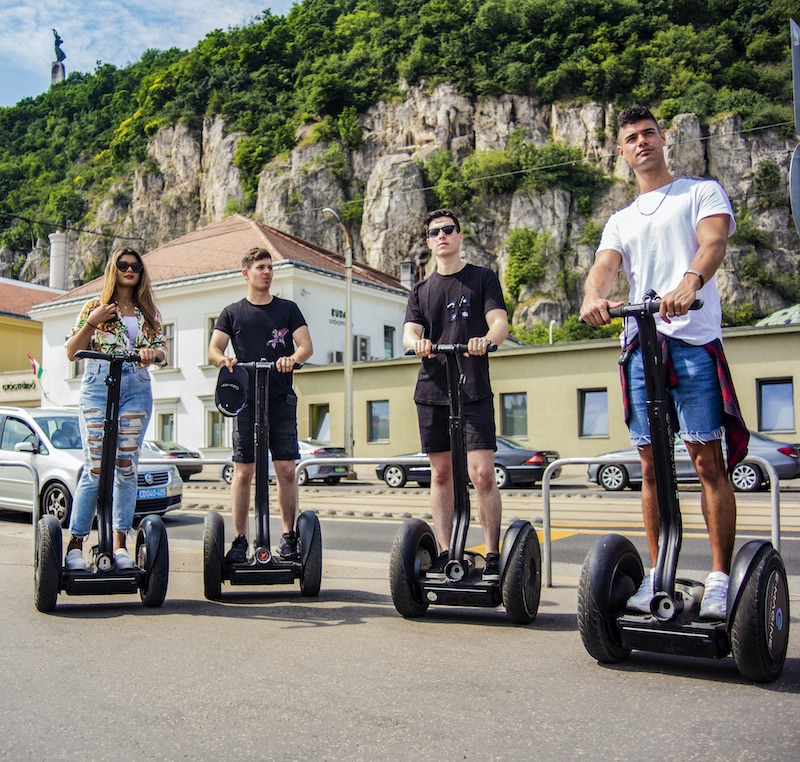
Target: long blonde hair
(142,292)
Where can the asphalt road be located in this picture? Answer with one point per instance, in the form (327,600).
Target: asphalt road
(268,673)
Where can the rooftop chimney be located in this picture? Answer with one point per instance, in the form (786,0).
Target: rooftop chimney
(58,260)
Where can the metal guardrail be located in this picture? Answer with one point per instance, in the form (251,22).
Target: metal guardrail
(547,545)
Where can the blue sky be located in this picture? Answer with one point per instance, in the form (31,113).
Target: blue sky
(111,31)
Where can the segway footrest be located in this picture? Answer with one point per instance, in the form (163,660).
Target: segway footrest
(480,594)
(683,637)
(102,583)
(275,573)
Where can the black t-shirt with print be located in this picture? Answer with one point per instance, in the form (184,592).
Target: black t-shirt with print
(263,332)
(452,310)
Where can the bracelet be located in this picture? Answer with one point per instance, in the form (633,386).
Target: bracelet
(699,275)
(90,324)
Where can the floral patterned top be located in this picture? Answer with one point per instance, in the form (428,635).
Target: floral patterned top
(115,340)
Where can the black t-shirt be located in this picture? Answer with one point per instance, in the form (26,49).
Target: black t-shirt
(263,332)
(451,310)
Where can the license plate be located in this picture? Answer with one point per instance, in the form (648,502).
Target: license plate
(152,493)
(340,469)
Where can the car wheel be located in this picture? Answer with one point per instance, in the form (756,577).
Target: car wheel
(613,478)
(332,479)
(302,478)
(501,476)
(395,476)
(57,501)
(746,478)
(227,473)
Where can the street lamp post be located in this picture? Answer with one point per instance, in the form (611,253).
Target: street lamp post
(348,332)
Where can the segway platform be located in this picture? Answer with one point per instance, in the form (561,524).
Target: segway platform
(468,590)
(414,587)
(263,567)
(756,626)
(151,575)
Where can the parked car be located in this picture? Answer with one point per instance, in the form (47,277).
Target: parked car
(514,465)
(309,448)
(187,461)
(746,477)
(49,439)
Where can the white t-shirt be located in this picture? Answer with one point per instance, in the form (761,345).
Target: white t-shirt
(657,238)
(132,322)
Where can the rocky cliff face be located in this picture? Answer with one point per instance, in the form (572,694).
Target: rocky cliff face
(189,180)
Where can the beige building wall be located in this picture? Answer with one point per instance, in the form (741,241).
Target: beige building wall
(552,377)
(18,338)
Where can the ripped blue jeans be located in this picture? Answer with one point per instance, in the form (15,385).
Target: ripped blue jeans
(696,401)
(135,408)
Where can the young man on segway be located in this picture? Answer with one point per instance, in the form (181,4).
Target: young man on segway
(460,303)
(263,326)
(672,239)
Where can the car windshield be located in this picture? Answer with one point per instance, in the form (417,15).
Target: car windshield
(510,443)
(169,446)
(62,429)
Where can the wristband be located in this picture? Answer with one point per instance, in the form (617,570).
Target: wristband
(699,275)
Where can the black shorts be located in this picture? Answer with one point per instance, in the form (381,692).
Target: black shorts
(434,426)
(282,418)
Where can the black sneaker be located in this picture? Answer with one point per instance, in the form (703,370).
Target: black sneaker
(491,571)
(437,567)
(238,552)
(287,548)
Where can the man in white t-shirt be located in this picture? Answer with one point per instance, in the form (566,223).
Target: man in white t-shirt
(672,239)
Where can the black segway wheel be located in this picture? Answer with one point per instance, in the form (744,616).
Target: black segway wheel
(522,578)
(611,573)
(310,546)
(413,551)
(152,556)
(760,627)
(47,563)
(213,558)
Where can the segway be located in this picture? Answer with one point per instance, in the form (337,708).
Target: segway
(263,567)
(756,628)
(151,574)
(461,584)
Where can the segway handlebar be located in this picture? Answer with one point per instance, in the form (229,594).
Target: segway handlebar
(649,307)
(268,364)
(450,349)
(90,354)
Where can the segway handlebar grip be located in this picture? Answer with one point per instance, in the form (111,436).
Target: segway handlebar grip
(649,307)
(90,354)
(268,364)
(450,349)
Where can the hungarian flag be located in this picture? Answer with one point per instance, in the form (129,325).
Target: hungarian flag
(37,369)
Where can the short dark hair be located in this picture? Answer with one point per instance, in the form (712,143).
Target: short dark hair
(436,213)
(635,114)
(256,254)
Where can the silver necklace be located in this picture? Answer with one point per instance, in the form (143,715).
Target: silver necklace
(650,214)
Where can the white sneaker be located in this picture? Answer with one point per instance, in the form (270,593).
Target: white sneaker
(640,600)
(123,560)
(75,561)
(715,598)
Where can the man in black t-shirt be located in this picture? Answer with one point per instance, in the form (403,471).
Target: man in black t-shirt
(263,326)
(458,304)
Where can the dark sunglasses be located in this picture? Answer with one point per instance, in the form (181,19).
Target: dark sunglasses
(446,229)
(123,267)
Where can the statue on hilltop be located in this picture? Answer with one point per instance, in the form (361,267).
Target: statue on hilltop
(60,54)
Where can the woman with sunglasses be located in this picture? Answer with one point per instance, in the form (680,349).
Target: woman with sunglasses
(123,318)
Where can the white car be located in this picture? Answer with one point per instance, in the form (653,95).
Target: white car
(309,448)
(49,439)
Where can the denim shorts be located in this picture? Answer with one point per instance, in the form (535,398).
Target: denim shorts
(434,426)
(696,401)
(282,417)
